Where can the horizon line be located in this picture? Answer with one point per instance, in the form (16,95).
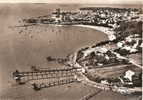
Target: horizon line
(98,2)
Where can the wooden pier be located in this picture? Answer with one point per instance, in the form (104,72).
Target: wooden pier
(56,82)
(46,77)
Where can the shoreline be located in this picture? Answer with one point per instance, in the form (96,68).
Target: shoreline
(89,82)
(108,31)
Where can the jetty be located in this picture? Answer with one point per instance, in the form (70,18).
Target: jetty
(44,78)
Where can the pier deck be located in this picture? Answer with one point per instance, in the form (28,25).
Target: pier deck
(46,77)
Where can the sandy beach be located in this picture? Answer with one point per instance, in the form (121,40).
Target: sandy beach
(105,30)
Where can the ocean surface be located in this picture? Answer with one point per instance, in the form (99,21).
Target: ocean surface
(22,47)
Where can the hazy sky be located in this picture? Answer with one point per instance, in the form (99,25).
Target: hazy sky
(80,1)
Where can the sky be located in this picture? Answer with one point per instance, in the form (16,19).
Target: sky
(76,1)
